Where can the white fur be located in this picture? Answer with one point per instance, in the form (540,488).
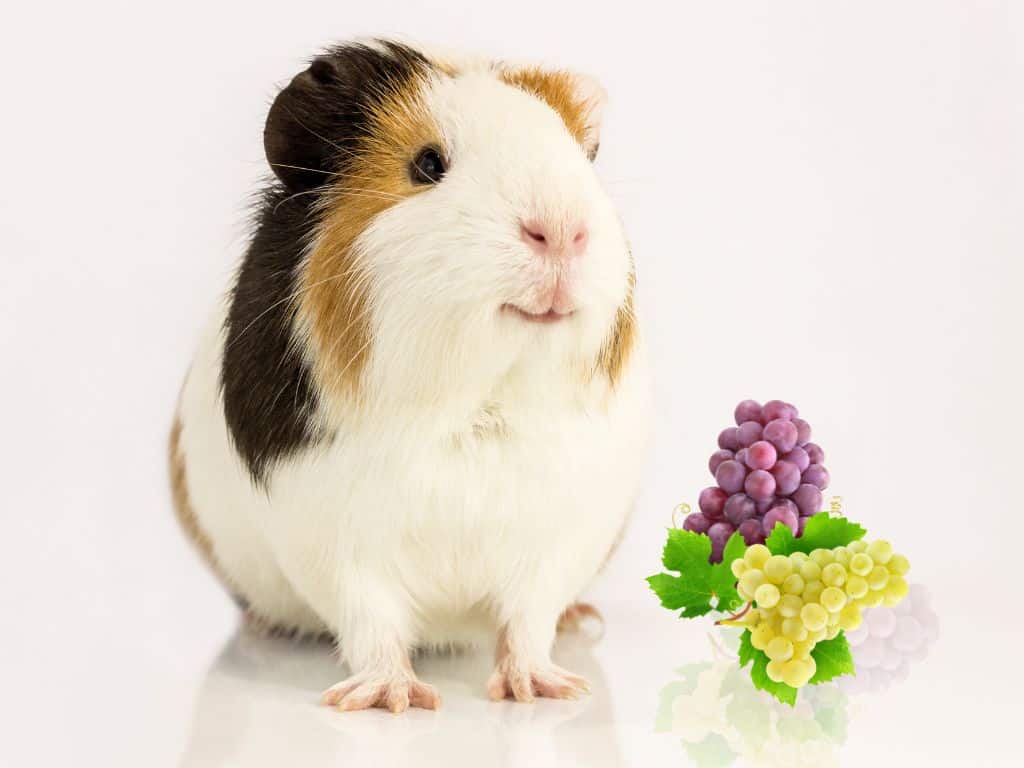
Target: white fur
(484,479)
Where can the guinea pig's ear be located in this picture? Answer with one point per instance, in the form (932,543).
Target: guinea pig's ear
(592,98)
(295,136)
(579,99)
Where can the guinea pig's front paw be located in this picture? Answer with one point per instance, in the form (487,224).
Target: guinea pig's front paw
(395,690)
(523,680)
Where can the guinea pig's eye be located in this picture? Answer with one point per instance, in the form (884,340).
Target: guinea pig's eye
(428,167)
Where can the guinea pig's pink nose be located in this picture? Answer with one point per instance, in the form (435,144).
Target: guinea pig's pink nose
(564,238)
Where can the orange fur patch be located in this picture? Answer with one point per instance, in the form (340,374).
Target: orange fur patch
(558,90)
(335,284)
(622,338)
(183,506)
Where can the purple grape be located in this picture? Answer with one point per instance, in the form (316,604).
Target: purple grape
(801,524)
(741,456)
(814,453)
(781,434)
(717,458)
(752,532)
(759,485)
(719,534)
(765,504)
(748,410)
(696,522)
(799,457)
(777,409)
(787,504)
(748,432)
(787,477)
(730,476)
(803,431)
(816,475)
(739,508)
(711,502)
(808,498)
(729,439)
(777,515)
(761,455)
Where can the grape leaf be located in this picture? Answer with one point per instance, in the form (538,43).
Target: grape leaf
(723,582)
(833,658)
(699,582)
(821,532)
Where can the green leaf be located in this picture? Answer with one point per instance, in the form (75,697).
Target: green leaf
(723,583)
(699,582)
(833,658)
(759,672)
(746,651)
(685,550)
(820,532)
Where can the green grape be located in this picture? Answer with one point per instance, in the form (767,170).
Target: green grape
(896,590)
(817,635)
(813,616)
(856,586)
(833,599)
(822,557)
(841,555)
(794,629)
(796,672)
(857,546)
(871,599)
(833,632)
(767,596)
(878,577)
(802,648)
(774,670)
(761,635)
(812,591)
(749,582)
(880,551)
(833,575)
(738,567)
(861,564)
(850,618)
(793,585)
(799,558)
(789,606)
(779,649)
(898,565)
(777,568)
(757,555)
(810,571)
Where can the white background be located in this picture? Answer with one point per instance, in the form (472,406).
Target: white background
(825,202)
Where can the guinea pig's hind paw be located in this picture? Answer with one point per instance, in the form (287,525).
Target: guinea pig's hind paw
(549,681)
(392,691)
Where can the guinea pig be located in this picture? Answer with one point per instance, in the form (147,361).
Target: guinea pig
(419,418)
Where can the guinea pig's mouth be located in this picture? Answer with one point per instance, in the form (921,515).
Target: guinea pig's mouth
(551,316)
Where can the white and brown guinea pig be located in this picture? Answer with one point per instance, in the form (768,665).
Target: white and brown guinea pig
(420,416)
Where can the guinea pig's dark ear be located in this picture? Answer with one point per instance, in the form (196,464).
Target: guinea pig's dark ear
(296,136)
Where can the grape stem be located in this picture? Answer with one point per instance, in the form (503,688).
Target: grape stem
(733,620)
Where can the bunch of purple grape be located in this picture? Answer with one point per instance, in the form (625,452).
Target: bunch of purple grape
(767,472)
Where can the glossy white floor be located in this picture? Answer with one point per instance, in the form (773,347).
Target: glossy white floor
(824,201)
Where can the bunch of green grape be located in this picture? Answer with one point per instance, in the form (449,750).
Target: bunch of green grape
(799,600)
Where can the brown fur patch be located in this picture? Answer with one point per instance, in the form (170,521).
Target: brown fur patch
(183,506)
(336,295)
(622,338)
(558,90)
